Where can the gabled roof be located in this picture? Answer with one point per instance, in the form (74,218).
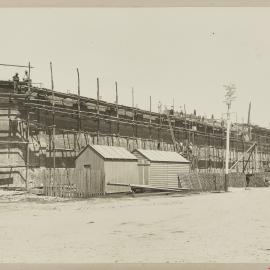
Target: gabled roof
(110,152)
(162,156)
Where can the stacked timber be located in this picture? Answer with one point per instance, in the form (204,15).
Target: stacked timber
(258,179)
(211,181)
(237,179)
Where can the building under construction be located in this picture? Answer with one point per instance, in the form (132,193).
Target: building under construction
(43,131)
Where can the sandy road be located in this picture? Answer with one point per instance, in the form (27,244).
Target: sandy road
(231,227)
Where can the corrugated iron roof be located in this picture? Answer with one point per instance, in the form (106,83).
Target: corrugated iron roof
(113,152)
(162,156)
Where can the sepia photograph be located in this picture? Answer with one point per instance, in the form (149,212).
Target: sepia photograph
(135,135)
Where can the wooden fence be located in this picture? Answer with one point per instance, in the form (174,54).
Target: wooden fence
(215,181)
(73,183)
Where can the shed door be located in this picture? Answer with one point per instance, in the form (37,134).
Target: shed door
(87,179)
(92,181)
(143,174)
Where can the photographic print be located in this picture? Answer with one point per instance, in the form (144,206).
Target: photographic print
(134,135)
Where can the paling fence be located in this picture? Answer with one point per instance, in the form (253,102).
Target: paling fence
(215,181)
(73,183)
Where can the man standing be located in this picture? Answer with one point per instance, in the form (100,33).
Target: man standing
(16,80)
(248,178)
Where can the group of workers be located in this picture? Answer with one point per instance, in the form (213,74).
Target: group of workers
(16,80)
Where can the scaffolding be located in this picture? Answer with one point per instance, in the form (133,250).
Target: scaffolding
(26,140)
(209,138)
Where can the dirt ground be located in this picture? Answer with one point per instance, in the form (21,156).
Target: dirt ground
(213,227)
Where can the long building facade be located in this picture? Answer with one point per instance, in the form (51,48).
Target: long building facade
(42,131)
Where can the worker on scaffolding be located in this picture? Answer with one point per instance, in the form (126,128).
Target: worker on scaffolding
(16,80)
(172,110)
(26,78)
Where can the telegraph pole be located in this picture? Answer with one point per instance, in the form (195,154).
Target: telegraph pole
(229,97)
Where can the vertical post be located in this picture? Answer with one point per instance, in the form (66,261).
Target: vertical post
(116,99)
(255,159)
(133,117)
(79,101)
(27,132)
(227,151)
(98,95)
(160,123)
(150,109)
(79,109)
(117,113)
(98,122)
(150,120)
(132,97)
(229,96)
(214,147)
(237,139)
(53,127)
(248,121)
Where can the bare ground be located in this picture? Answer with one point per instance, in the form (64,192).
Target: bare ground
(231,227)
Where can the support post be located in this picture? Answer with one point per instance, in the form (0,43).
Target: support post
(229,97)
(79,101)
(117,112)
(98,122)
(227,152)
(150,120)
(27,132)
(53,126)
(133,118)
(79,108)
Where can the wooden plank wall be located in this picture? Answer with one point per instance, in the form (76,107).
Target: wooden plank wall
(74,183)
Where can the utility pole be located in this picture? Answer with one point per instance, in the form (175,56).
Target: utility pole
(229,97)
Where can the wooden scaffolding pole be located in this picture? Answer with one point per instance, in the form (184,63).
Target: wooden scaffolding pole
(53,120)
(79,108)
(27,130)
(150,117)
(133,118)
(98,121)
(117,112)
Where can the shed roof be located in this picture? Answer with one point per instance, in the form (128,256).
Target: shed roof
(111,152)
(162,156)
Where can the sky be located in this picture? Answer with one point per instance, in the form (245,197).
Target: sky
(181,54)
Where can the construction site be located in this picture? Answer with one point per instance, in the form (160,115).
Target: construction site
(44,132)
(134,135)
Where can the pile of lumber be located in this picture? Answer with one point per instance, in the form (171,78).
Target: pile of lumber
(258,179)
(202,181)
(211,181)
(237,179)
(135,187)
(214,181)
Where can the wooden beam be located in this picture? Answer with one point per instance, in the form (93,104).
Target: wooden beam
(9,65)
(148,187)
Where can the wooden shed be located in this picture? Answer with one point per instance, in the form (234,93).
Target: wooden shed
(108,164)
(160,168)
